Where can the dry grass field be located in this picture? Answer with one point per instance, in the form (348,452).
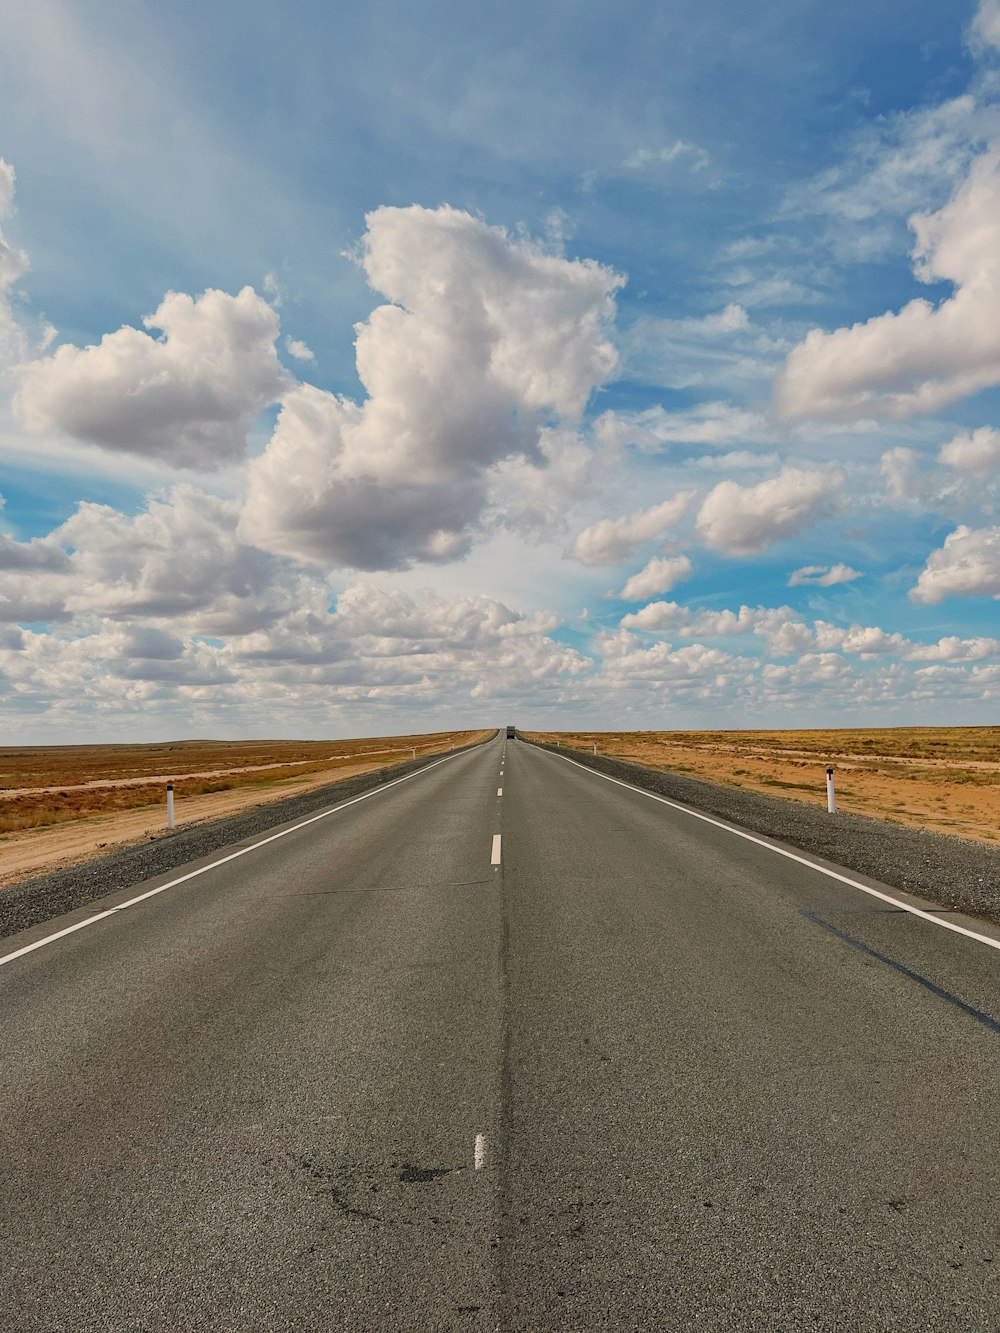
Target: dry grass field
(60,804)
(941,778)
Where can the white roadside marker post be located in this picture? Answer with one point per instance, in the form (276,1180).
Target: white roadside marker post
(831,798)
(595,747)
(414,749)
(170,805)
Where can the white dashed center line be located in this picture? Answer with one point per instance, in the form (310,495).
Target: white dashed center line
(495,856)
(479,1153)
(499,791)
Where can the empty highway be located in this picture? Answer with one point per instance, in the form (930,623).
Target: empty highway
(506,1045)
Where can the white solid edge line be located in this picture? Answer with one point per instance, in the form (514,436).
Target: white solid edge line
(495,853)
(193,874)
(791,856)
(479,1152)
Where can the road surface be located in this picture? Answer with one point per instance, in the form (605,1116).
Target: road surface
(506,1045)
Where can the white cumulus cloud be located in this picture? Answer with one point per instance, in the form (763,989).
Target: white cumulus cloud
(486,343)
(925,356)
(977,453)
(707,669)
(823,576)
(743,520)
(953,649)
(967,565)
(300,350)
(188,397)
(784,635)
(659,575)
(611,540)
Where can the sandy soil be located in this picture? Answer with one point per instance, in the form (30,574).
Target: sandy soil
(37,851)
(95,784)
(945,779)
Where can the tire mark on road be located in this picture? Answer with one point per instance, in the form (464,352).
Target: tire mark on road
(991,1023)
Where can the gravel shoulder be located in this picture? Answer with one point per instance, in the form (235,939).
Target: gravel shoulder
(957,873)
(31,901)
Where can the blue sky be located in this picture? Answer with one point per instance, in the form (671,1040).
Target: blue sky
(367,367)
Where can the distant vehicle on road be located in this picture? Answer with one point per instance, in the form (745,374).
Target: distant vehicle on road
(511,730)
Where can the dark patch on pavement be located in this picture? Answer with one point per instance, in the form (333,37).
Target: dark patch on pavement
(419,1175)
(332,1189)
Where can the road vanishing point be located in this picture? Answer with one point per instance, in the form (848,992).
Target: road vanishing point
(501,1045)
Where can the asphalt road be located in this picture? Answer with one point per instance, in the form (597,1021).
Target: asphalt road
(642,1073)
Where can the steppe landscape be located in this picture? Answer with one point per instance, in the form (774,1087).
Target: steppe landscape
(941,778)
(63,804)
(60,804)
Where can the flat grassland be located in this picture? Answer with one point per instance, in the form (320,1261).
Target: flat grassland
(60,804)
(941,778)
